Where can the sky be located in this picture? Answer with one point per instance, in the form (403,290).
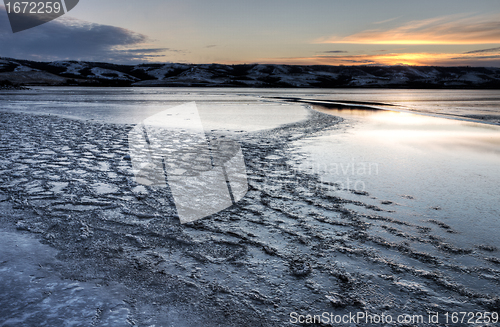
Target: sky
(324,32)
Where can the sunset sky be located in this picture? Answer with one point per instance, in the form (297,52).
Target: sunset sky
(363,32)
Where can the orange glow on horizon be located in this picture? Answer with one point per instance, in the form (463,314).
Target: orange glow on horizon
(389,59)
(410,41)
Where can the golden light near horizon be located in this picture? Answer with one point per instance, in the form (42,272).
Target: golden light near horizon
(389,59)
(411,59)
(420,39)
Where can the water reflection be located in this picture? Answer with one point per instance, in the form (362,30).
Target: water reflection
(423,162)
(384,126)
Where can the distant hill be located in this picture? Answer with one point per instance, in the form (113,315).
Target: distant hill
(28,73)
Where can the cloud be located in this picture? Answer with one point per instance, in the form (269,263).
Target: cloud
(146,53)
(478,57)
(484,50)
(68,38)
(335,51)
(455,29)
(150,50)
(386,21)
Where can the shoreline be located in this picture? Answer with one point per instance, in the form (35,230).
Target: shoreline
(391,107)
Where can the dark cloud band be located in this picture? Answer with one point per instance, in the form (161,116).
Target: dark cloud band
(67,38)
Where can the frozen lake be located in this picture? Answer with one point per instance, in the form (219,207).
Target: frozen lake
(445,163)
(385,211)
(450,167)
(129,105)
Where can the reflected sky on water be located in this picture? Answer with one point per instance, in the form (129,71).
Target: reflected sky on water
(428,167)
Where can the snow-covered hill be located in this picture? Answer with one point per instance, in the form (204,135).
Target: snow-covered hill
(23,72)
